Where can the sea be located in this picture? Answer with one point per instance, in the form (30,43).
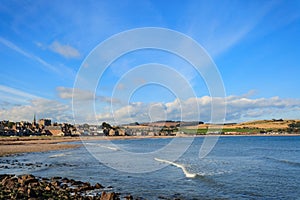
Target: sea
(237,167)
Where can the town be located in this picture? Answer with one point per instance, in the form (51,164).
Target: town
(45,127)
(36,128)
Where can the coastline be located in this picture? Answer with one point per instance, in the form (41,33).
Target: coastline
(66,187)
(15,145)
(28,186)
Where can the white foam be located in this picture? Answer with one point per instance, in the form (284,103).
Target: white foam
(181,166)
(57,155)
(103,146)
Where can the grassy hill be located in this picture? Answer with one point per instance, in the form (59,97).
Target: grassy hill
(251,127)
(258,126)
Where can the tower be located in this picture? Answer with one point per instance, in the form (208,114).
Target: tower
(34,120)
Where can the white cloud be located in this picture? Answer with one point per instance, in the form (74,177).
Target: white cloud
(66,51)
(239,108)
(17,105)
(43,108)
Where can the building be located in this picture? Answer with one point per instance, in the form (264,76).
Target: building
(34,121)
(54,130)
(45,122)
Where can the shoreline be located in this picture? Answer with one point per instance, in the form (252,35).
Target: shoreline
(15,145)
(28,186)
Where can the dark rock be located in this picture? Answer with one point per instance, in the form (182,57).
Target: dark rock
(2,176)
(34,184)
(4,179)
(47,188)
(85,188)
(86,184)
(31,193)
(65,180)
(26,179)
(128,197)
(56,183)
(19,195)
(10,184)
(27,176)
(98,186)
(22,189)
(56,178)
(76,182)
(108,196)
(45,179)
(31,187)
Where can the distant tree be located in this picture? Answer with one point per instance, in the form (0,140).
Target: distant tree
(10,124)
(86,126)
(106,132)
(294,127)
(106,125)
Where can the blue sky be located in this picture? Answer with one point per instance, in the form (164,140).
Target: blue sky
(254,44)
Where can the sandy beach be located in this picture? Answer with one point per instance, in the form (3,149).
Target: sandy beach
(13,145)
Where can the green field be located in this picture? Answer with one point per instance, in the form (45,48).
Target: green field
(226,130)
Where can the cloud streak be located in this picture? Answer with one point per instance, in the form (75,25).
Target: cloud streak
(16,92)
(221,32)
(66,51)
(83,95)
(29,55)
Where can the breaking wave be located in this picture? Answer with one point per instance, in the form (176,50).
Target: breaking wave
(57,155)
(181,166)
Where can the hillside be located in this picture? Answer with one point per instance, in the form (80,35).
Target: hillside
(264,124)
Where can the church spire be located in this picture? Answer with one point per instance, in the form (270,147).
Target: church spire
(34,119)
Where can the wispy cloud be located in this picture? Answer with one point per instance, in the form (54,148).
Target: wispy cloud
(14,95)
(66,51)
(83,95)
(29,55)
(227,28)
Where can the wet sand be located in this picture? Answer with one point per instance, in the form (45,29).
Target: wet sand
(14,145)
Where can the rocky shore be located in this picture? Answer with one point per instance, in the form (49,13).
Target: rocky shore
(31,187)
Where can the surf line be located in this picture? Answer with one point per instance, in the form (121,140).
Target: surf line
(58,155)
(103,146)
(186,173)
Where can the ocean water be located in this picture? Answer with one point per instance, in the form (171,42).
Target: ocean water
(246,167)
